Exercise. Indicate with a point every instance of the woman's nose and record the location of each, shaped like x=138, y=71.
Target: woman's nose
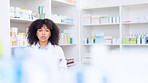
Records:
x=43, y=32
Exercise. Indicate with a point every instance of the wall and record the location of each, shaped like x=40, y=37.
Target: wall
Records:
x=4, y=27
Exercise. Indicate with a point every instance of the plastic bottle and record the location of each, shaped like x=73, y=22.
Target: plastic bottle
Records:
x=41, y=12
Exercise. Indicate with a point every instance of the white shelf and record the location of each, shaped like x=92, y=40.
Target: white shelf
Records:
x=128, y=23
x=100, y=21
x=66, y=24
x=18, y=46
x=101, y=44
x=135, y=44
x=100, y=24
x=59, y=44
x=20, y=20
x=67, y=44
x=60, y=3
x=96, y=8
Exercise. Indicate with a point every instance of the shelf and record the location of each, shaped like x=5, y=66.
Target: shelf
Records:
x=100, y=24
x=67, y=44
x=59, y=44
x=70, y=65
x=135, y=44
x=60, y=3
x=18, y=46
x=135, y=5
x=127, y=23
x=20, y=20
x=101, y=44
x=94, y=8
x=66, y=24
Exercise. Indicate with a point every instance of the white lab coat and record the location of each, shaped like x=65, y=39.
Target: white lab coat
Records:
x=43, y=64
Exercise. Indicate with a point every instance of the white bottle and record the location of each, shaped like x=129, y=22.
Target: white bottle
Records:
x=114, y=41
x=138, y=39
x=143, y=39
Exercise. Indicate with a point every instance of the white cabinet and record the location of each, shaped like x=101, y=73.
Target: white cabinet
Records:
x=63, y=13
x=100, y=26
x=122, y=29
x=66, y=16
x=22, y=13
x=134, y=22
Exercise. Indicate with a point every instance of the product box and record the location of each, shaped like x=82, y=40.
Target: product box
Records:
x=107, y=39
x=12, y=12
x=86, y=19
x=17, y=12
x=95, y=19
x=99, y=39
x=125, y=40
x=132, y=40
x=13, y=31
x=104, y=19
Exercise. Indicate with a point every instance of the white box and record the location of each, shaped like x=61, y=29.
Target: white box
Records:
x=95, y=19
x=86, y=19
x=104, y=19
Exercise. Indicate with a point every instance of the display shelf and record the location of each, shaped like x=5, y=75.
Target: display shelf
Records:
x=134, y=24
x=101, y=44
x=22, y=14
x=66, y=24
x=128, y=23
x=17, y=20
x=135, y=44
x=60, y=3
x=65, y=15
x=18, y=46
x=96, y=8
x=67, y=44
x=101, y=24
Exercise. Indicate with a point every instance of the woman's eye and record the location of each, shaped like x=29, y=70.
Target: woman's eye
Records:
x=47, y=30
x=39, y=30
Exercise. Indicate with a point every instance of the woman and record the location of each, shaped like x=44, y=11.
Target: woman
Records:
x=43, y=38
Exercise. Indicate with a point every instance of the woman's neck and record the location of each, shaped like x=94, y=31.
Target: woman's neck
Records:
x=43, y=44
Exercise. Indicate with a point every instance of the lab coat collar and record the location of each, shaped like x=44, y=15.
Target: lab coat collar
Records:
x=47, y=47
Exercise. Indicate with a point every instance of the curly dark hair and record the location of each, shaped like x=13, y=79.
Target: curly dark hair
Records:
x=38, y=24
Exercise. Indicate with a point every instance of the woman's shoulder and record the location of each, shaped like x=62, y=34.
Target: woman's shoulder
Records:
x=57, y=47
x=30, y=47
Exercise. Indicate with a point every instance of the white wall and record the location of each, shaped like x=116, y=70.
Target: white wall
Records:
x=4, y=27
x=103, y=3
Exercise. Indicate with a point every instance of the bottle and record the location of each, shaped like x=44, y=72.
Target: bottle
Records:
x=41, y=12
x=138, y=39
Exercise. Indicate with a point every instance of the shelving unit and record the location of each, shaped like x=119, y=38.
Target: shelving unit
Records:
x=89, y=25
x=16, y=20
x=122, y=20
x=101, y=44
x=61, y=3
x=58, y=7
x=134, y=19
x=22, y=13
x=67, y=44
x=99, y=23
x=64, y=10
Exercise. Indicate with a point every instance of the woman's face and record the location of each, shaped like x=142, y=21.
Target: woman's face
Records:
x=43, y=34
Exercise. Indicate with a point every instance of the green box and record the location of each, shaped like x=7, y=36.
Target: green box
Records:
x=125, y=40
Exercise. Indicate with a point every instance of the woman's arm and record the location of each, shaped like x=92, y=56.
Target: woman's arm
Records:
x=62, y=60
